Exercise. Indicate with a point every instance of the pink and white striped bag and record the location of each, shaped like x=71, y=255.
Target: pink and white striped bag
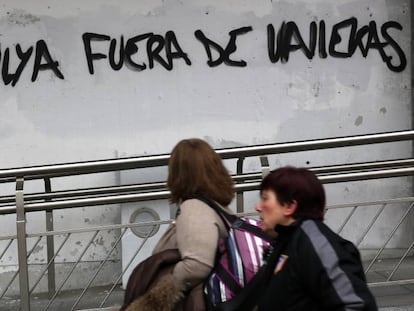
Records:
x=239, y=256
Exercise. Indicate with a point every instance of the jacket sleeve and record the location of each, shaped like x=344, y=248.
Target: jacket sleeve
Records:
x=197, y=239
x=332, y=271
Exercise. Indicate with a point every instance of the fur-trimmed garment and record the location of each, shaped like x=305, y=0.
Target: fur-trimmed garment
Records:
x=193, y=238
x=152, y=286
x=163, y=297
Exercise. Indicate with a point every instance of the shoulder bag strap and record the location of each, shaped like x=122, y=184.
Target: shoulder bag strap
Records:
x=227, y=218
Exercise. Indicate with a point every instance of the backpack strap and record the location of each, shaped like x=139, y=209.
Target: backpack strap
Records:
x=233, y=221
x=227, y=218
x=227, y=278
x=252, y=228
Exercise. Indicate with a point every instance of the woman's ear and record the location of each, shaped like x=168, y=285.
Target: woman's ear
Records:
x=290, y=208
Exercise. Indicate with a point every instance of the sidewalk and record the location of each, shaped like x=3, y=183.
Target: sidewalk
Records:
x=389, y=298
x=393, y=297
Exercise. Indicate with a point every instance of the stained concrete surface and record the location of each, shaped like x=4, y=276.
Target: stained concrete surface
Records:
x=389, y=298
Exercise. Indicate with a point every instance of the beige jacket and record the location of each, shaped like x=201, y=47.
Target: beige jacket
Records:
x=195, y=234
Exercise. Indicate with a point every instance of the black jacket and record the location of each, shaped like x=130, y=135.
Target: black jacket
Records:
x=318, y=270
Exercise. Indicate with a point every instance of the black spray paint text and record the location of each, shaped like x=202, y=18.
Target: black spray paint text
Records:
x=155, y=44
x=42, y=61
x=365, y=38
x=145, y=50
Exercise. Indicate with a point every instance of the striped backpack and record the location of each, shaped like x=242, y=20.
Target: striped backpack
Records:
x=239, y=257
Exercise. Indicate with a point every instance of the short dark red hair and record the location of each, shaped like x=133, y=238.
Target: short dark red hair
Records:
x=299, y=184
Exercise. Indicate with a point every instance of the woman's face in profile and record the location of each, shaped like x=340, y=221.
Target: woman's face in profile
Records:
x=270, y=210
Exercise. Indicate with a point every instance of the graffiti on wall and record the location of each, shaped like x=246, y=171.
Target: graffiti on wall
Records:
x=42, y=61
x=365, y=39
x=342, y=41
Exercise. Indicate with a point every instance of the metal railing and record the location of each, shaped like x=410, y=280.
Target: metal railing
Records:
x=21, y=203
x=396, y=262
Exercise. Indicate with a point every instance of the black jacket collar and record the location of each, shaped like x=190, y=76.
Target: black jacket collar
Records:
x=289, y=228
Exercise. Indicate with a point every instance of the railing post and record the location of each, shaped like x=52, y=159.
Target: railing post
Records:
x=50, y=244
x=22, y=246
x=264, y=161
x=240, y=194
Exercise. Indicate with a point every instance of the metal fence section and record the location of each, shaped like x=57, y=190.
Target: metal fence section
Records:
x=56, y=284
x=383, y=269
x=78, y=298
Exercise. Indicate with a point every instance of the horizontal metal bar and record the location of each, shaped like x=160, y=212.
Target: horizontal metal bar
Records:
x=357, y=176
x=163, y=222
x=163, y=185
x=363, y=166
x=389, y=201
x=371, y=203
x=88, y=191
x=4, y=210
x=246, y=177
x=101, y=228
x=77, y=168
x=160, y=195
x=391, y=283
x=337, y=178
x=316, y=144
x=116, y=199
x=228, y=153
x=105, y=190
x=8, y=237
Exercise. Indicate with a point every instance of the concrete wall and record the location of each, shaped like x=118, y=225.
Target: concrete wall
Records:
x=240, y=98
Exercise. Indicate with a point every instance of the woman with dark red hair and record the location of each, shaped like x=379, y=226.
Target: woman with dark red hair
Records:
x=317, y=270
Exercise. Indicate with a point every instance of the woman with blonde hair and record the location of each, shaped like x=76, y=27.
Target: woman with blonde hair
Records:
x=194, y=170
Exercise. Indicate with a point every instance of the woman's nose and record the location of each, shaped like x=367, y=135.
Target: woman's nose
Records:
x=258, y=207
